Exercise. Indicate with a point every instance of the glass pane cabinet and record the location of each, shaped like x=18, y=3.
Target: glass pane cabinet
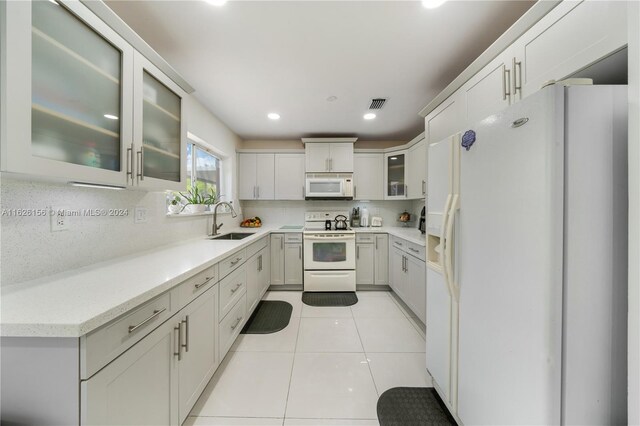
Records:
x=395, y=175
x=75, y=91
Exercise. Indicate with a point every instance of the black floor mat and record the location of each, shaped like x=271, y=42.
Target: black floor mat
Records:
x=321, y=298
x=270, y=316
x=412, y=407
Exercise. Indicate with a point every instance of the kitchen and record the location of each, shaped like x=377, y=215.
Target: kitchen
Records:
x=74, y=283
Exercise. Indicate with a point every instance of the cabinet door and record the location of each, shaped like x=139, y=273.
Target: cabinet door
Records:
x=289, y=177
x=199, y=355
x=447, y=119
x=417, y=171
x=381, y=262
x=317, y=157
x=277, y=259
x=489, y=91
x=159, y=134
x=138, y=388
x=247, y=172
x=69, y=83
x=416, y=287
x=365, y=259
x=265, y=175
x=341, y=157
x=397, y=272
x=265, y=272
x=570, y=37
x=395, y=177
x=368, y=176
x=293, y=264
x=254, y=285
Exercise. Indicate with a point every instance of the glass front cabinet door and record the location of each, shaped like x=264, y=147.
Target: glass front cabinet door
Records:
x=72, y=106
x=395, y=177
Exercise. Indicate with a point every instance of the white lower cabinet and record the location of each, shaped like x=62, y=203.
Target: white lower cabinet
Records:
x=286, y=259
x=257, y=277
x=408, y=275
x=372, y=259
x=277, y=259
x=293, y=269
x=231, y=325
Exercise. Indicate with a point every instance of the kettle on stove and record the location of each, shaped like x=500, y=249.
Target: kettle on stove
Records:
x=341, y=222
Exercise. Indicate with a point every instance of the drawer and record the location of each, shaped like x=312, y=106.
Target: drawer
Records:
x=293, y=238
x=195, y=286
x=257, y=246
x=365, y=238
x=398, y=242
x=231, y=326
x=103, y=345
x=231, y=263
x=416, y=250
x=232, y=288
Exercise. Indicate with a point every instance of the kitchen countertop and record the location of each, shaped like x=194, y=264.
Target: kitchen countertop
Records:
x=410, y=234
x=79, y=301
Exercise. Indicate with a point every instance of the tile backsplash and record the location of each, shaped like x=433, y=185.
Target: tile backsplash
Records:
x=30, y=250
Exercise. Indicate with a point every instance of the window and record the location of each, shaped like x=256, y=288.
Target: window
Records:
x=203, y=169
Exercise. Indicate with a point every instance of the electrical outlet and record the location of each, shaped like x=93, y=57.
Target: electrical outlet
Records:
x=140, y=215
x=59, y=220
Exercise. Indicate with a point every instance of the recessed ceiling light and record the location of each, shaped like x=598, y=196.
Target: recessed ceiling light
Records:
x=432, y=4
x=273, y=116
x=332, y=98
x=369, y=116
x=110, y=117
x=216, y=2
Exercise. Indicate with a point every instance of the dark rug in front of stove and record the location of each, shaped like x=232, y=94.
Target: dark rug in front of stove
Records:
x=270, y=316
x=412, y=407
x=325, y=298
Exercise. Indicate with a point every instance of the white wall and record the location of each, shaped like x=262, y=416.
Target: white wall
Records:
x=30, y=250
x=634, y=215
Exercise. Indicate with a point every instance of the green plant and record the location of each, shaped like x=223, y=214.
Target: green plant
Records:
x=197, y=196
x=176, y=200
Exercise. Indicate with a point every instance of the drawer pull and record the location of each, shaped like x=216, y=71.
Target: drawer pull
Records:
x=233, y=327
x=397, y=243
x=233, y=290
x=206, y=280
x=156, y=312
x=235, y=262
x=414, y=250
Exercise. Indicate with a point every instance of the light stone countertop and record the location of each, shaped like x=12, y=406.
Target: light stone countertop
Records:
x=410, y=234
x=79, y=301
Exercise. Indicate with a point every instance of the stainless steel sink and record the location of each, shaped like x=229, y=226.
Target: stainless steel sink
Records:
x=232, y=236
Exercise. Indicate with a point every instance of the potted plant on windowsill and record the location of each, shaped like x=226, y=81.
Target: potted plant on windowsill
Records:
x=198, y=200
x=175, y=205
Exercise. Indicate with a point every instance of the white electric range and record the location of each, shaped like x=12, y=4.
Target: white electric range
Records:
x=329, y=253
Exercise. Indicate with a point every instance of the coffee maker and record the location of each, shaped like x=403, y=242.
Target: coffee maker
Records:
x=422, y=226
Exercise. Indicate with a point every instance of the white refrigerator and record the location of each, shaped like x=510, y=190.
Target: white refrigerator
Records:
x=533, y=256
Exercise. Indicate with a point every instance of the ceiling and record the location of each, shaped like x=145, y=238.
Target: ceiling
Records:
x=249, y=58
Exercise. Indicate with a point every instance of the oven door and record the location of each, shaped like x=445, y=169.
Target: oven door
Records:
x=324, y=188
x=329, y=252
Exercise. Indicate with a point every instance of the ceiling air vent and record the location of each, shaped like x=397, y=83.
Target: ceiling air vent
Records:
x=377, y=103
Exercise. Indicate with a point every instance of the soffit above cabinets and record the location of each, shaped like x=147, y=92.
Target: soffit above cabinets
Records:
x=250, y=58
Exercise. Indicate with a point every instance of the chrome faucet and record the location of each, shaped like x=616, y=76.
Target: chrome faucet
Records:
x=216, y=227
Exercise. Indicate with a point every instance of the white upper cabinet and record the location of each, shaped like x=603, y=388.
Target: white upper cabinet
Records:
x=417, y=171
x=256, y=176
x=324, y=157
x=69, y=94
x=289, y=176
x=83, y=105
x=159, y=150
x=368, y=176
x=395, y=175
x=570, y=37
x=448, y=118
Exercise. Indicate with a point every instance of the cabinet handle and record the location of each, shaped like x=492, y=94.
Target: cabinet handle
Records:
x=254, y=192
x=233, y=290
x=130, y=163
x=235, y=262
x=517, y=76
x=178, y=340
x=355, y=191
x=375, y=240
x=326, y=164
x=139, y=172
x=206, y=280
x=506, y=82
x=282, y=243
x=186, y=333
x=357, y=252
x=233, y=327
x=299, y=252
x=414, y=250
x=155, y=313
x=258, y=187
x=397, y=243
x=259, y=263
x=331, y=164
x=424, y=187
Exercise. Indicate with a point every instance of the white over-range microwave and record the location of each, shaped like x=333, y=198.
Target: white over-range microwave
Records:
x=329, y=186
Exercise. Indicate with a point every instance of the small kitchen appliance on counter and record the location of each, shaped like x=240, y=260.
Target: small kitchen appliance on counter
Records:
x=376, y=221
x=329, y=254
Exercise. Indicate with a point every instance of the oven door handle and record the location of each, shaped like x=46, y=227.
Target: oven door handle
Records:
x=331, y=238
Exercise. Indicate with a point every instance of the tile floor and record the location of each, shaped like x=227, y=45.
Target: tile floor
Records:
x=327, y=367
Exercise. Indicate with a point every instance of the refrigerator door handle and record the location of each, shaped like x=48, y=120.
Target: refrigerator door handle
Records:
x=448, y=248
x=443, y=242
